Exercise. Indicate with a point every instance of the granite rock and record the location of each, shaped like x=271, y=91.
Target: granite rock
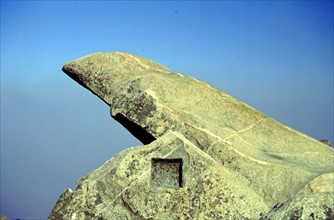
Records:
x=206, y=154
x=168, y=179
x=314, y=201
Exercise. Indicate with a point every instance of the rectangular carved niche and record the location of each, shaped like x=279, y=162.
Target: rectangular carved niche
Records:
x=166, y=173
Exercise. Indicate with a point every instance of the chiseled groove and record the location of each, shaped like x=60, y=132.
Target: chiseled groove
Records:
x=204, y=130
x=243, y=155
x=195, y=147
x=236, y=133
x=268, y=164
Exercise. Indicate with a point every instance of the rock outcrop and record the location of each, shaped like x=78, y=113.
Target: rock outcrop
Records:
x=207, y=155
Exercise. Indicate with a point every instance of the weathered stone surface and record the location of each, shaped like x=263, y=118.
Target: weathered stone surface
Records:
x=314, y=201
x=207, y=154
x=127, y=186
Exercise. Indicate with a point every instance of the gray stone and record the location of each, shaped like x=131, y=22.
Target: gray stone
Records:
x=314, y=201
x=207, y=155
x=167, y=179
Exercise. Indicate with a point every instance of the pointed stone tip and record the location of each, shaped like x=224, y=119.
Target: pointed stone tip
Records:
x=116, y=60
x=104, y=73
x=69, y=69
x=65, y=68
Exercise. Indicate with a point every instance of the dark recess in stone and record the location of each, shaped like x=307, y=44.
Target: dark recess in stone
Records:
x=167, y=172
x=136, y=130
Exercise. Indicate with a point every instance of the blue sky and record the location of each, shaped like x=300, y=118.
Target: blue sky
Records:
x=276, y=56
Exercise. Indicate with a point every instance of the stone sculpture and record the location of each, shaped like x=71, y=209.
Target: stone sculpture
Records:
x=206, y=155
